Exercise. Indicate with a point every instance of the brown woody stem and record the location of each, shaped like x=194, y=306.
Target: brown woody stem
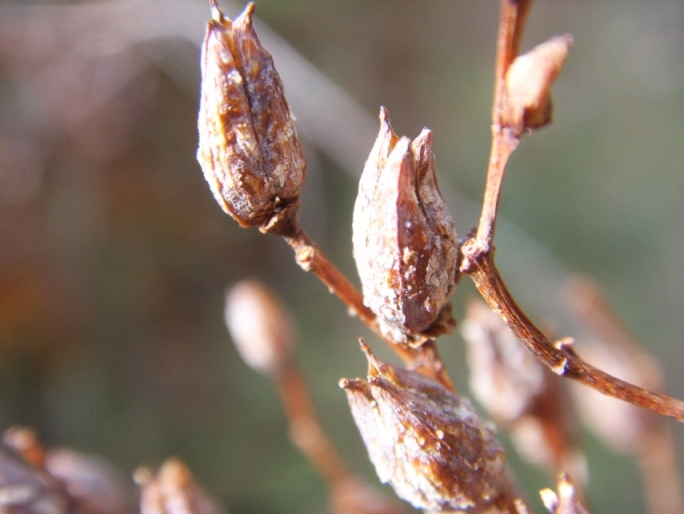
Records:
x=482, y=270
x=478, y=252
x=511, y=24
x=305, y=429
x=503, y=144
x=504, y=139
x=310, y=257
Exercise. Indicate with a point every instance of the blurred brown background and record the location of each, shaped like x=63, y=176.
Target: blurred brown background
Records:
x=114, y=257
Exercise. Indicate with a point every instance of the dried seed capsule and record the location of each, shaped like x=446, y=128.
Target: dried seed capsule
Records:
x=529, y=80
x=428, y=443
x=248, y=145
x=519, y=393
x=25, y=489
x=25, y=442
x=172, y=491
x=566, y=501
x=404, y=238
x=92, y=484
x=504, y=376
x=260, y=327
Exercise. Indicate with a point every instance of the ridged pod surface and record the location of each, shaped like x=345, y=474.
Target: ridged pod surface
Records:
x=248, y=145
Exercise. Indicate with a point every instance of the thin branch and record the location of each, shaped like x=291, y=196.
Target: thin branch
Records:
x=492, y=288
x=478, y=251
x=503, y=144
x=504, y=140
x=310, y=257
x=654, y=447
x=305, y=429
x=511, y=24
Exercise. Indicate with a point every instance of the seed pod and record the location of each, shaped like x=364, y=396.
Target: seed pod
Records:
x=519, y=393
x=528, y=83
x=428, y=443
x=25, y=442
x=172, y=491
x=260, y=327
x=404, y=238
x=92, y=483
x=566, y=501
x=504, y=376
x=25, y=489
x=248, y=145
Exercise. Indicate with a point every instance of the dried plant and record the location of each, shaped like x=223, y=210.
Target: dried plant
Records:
x=263, y=334
x=36, y=480
x=424, y=439
x=421, y=436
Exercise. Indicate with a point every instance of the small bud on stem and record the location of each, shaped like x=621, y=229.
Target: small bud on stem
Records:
x=528, y=84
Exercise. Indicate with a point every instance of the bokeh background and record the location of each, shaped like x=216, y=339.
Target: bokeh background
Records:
x=114, y=257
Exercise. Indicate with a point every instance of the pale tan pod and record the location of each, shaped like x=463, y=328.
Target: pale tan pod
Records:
x=529, y=80
x=259, y=325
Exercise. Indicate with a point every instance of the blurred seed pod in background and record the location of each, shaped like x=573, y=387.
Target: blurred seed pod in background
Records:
x=259, y=325
x=172, y=491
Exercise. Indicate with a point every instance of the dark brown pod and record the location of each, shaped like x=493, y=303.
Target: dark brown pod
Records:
x=248, y=145
x=425, y=441
x=404, y=238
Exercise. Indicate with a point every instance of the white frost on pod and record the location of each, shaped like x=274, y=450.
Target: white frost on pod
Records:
x=425, y=441
x=404, y=238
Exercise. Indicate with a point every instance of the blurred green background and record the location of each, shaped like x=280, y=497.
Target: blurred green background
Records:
x=114, y=257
